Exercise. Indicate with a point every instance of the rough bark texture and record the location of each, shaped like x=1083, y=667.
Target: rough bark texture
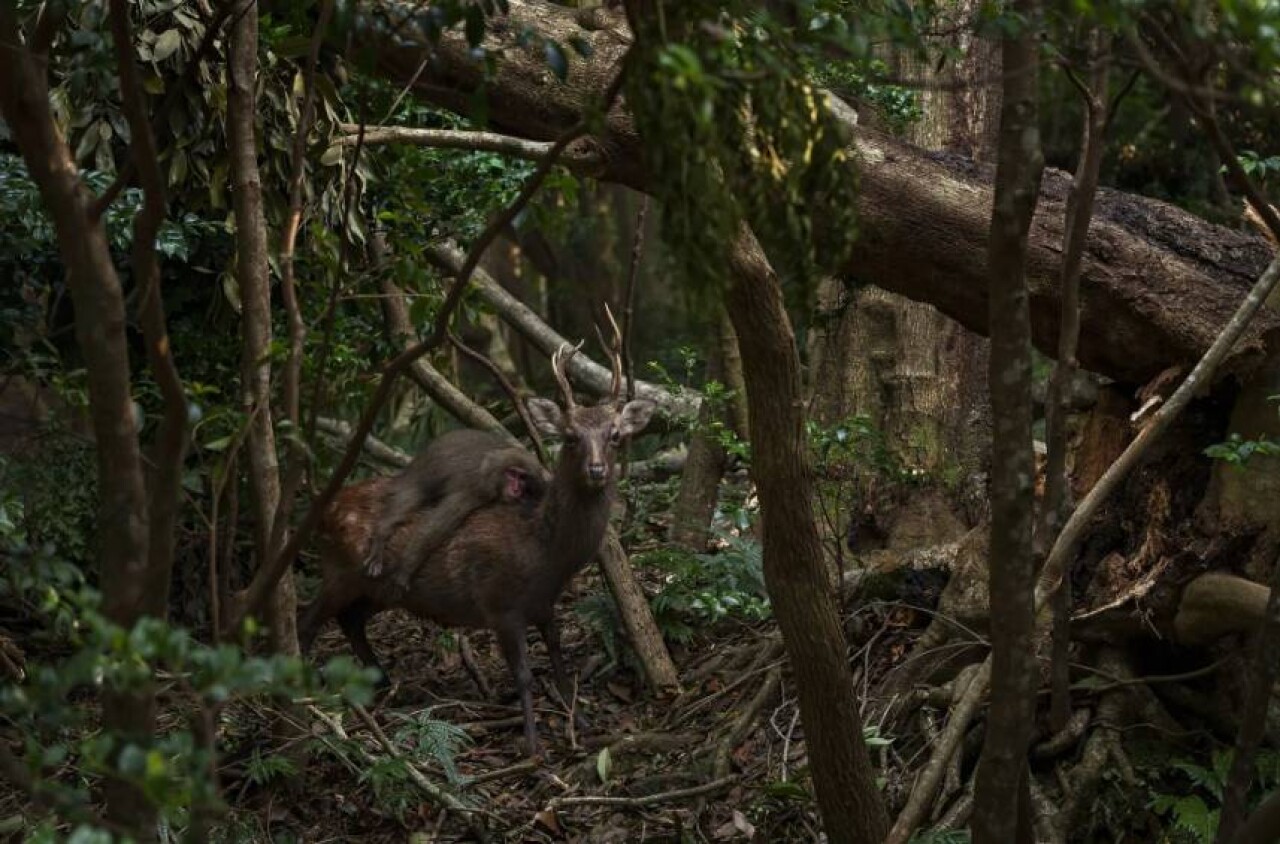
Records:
x=123, y=520
x=795, y=575
x=1002, y=773
x=1157, y=283
x=696, y=501
x=253, y=275
x=918, y=375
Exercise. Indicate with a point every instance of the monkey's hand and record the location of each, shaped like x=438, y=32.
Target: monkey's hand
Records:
x=375, y=560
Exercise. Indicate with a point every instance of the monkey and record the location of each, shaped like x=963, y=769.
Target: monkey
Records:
x=457, y=473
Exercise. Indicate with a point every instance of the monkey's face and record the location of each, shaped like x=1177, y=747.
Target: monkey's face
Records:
x=523, y=487
x=591, y=435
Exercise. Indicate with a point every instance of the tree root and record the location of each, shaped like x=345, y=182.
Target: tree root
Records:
x=1113, y=710
x=746, y=720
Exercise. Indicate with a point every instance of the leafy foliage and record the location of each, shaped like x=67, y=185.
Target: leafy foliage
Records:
x=1193, y=799
x=1236, y=451
x=60, y=732
x=435, y=740
x=898, y=107
x=855, y=466
x=740, y=134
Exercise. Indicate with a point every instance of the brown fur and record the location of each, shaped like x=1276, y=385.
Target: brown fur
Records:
x=458, y=472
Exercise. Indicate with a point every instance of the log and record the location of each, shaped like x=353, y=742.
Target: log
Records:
x=1157, y=282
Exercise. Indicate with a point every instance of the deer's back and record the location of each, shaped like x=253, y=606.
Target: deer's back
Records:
x=493, y=568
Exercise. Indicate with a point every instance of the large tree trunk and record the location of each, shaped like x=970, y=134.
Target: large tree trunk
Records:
x=1157, y=282
x=795, y=575
x=253, y=275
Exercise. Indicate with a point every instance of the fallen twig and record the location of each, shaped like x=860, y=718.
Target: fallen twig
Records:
x=645, y=800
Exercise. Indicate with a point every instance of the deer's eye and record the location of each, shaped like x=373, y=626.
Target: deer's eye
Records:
x=614, y=436
x=570, y=437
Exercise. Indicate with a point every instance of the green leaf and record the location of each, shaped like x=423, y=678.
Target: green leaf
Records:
x=168, y=43
x=604, y=764
x=331, y=156
x=177, y=168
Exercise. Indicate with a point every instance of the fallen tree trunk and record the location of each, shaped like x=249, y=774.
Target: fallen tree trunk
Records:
x=1156, y=283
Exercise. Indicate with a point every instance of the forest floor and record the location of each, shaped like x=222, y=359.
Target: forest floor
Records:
x=724, y=760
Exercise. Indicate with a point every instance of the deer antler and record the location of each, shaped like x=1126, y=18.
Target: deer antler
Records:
x=614, y=351
x=559, y=367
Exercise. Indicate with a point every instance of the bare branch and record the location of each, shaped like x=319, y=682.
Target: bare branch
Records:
x=583, y=156
x=441, y=390
x=291, y=378
x=1080, y=202
x=646, y=800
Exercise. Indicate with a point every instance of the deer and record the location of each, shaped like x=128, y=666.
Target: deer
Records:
x=507, y=562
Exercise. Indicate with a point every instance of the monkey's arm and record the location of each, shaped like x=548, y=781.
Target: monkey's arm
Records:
x=430, y=530
x=404, y=495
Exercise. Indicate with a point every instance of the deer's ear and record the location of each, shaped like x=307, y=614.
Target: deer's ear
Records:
x=546, y=415
x=635, y=415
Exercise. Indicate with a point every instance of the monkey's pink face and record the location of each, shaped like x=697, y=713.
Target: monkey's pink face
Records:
x=519, y=485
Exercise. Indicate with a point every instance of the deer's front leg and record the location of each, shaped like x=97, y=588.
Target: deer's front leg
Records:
x=550, y=632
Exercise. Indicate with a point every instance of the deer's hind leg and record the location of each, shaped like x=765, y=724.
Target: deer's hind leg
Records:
x=331, y=601
x=354, y=619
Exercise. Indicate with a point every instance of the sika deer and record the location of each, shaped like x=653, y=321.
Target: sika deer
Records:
x=506, y=564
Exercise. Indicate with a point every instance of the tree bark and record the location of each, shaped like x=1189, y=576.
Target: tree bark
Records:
x=795, y=575
x=1156, y=282
x=700, y=484
x=253, y=276
x=637, y=618
x=1002, y=776
x=123, y=514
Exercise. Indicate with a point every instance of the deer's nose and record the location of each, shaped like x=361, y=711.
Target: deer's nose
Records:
x=596, y=471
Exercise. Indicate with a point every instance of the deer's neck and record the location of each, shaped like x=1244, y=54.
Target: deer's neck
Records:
x=574, y=522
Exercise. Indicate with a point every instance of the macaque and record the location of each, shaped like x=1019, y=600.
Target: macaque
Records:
x=457, y=473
